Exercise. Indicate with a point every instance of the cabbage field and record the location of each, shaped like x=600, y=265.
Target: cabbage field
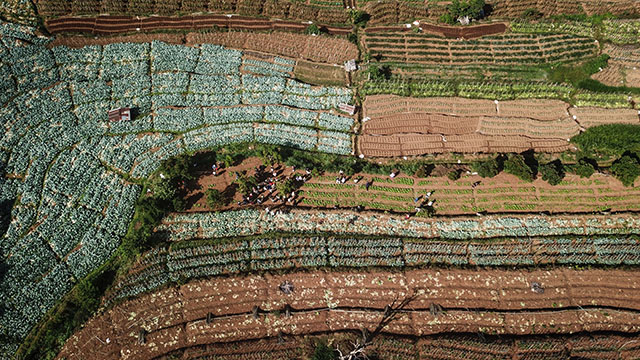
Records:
x=68, y=167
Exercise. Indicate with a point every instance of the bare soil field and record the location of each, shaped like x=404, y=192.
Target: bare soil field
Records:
x=298, y=46
x=324, y=12
x=623, y=68
x=386, y=347
x=315, y=48
x=106, y=25
x=399, y=126
x=491, y=301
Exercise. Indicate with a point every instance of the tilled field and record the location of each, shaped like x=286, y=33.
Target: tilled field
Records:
x=497, y=49
x=325, y=12
x=400, y=126
x=490, y=301
x=297, y=46
x=106, y=25
x=388, y=347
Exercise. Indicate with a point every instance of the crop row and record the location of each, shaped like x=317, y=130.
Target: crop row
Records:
x=188, y=261
x=480, y=90
x=322, y=11
x=250, y=222
x=501, y=49
x=616, y=31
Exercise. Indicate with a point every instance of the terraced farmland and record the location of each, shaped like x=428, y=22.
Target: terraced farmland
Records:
x=339, y=301
x=217, y=180
x=499, y=49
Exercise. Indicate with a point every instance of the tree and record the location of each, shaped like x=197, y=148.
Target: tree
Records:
x=515, y=165
x=270, y=155
x=473, y=9
x=552, y=172
x=532, y=14
x=487, y=168
x=626, y=169
x=391, y=312
x=377, y=72
x=215, y=199
x=359, y=17
x=246, y=183
x=584, y=168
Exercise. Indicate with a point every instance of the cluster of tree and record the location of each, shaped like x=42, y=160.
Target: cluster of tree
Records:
x=458, y=10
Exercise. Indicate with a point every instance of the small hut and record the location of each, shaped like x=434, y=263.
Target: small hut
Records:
x=121, y=114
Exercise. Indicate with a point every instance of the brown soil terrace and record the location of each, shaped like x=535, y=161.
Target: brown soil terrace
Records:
x=105, y=25
x=587, y=346
x=490, y=301
x=402, y=126
x=298, y=46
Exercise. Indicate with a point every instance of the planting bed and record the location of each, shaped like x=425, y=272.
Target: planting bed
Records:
x=191, y=260
x=321, y=11
x=434, y=347
x=507, y=49
x=402, y=126
x=225, y=224
x=499, y=302
x=107, y=25
x=503, y=193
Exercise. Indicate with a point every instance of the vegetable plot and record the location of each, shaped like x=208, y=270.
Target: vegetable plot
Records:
x=65, y=162
x=190, y=261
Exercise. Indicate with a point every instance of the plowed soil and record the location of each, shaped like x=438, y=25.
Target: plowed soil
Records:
x=105, y=25
x=491, y=301
x=397, y=126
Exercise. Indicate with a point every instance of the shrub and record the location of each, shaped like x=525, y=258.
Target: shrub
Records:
x=552, y=172
x=312, y=29
x=515, y=165
x=626, y=169
x=487, y=168
x=454, y=175
x=584, y=168
x=214, y=198
x=609, y=140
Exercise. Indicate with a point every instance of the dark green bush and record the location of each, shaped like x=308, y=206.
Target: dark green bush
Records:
x=515, y=165
x=626, y=169
x=609, y=140
x=552, y=172
x=215, y=199
x=487, y=168
x=584, y=168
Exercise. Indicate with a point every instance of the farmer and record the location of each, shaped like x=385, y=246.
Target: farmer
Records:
x=367, y=184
